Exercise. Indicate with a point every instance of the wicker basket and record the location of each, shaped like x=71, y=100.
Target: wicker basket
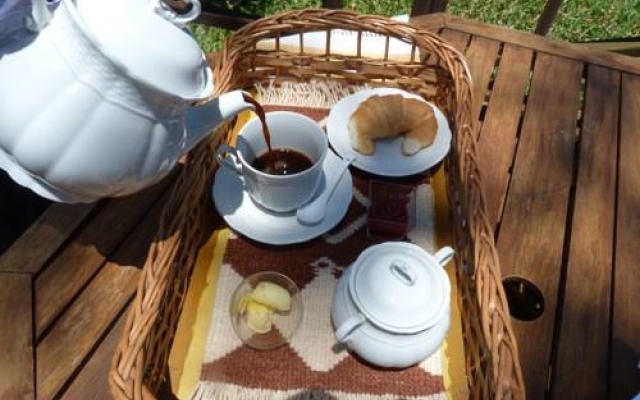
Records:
x=436, y=71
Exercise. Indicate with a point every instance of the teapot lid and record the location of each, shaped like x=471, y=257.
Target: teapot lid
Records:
x=399, y=287
x=146, y=44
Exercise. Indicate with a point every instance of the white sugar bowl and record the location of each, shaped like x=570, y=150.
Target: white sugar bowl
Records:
x=392, y=305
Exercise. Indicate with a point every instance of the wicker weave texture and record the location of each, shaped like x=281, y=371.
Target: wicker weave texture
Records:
x=436, y=71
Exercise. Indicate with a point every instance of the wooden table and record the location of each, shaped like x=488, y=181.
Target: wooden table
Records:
x=558, y=134
x=559, y=138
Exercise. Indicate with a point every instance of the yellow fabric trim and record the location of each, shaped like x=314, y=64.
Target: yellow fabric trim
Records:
x=455, y=380
x=187, y=353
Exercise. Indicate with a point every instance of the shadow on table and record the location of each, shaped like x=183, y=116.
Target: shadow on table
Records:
x=19, y=207
x=312, y=394
x=119, y=229
x=624, y=376
x=124, y=229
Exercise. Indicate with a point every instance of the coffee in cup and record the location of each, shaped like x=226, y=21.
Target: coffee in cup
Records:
x=282, y=162
x=289, y=174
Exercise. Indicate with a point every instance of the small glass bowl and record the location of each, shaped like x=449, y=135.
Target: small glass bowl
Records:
x=285, y=324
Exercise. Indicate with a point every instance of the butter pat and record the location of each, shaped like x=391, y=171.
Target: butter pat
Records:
x=258, y=317
x=259, y=305
x=272, y=295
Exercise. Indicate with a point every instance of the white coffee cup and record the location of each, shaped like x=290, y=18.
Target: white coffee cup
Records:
x=288, y=130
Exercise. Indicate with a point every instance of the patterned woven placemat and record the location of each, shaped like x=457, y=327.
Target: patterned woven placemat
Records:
x=308, y=367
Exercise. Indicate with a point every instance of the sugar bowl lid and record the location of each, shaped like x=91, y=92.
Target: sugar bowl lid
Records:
x=399, y=287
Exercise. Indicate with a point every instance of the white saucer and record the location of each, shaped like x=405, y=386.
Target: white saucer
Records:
x=388, y=159
x=254, y=222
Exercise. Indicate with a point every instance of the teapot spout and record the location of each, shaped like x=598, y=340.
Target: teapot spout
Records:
x=203, y=119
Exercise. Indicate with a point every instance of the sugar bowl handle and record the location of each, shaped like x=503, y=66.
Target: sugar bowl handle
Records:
x=345, y=330
x=444, y=255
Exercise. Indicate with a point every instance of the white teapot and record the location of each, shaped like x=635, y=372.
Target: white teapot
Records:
x=392, y=305
x=97, y=97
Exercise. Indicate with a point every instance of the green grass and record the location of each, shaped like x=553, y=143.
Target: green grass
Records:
x=577, y=20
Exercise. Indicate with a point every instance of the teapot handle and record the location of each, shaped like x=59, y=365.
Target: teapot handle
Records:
x=179, y=19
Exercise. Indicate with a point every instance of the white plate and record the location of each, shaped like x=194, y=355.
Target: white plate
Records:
x=244, y=216
x=388, y=159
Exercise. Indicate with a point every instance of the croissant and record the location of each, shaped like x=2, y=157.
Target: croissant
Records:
x=388, y=116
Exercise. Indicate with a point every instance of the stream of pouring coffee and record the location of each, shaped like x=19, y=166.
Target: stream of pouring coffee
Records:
x=263, y=119
x=279, y=161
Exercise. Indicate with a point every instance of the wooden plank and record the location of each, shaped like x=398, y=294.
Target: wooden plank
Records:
x=92, y=382
x=583, y=343
x=16, y=337
x=536, y=42
x=72, y=339
x=60, y=282
x=625, y=336
x=456, y=39
x=499, y=131
x=481, y=57
x=530, y=242
x=629, y=47
x=44, y=237
x=429, y=22
x=76, y=332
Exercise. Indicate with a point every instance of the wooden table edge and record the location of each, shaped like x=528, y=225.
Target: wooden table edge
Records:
x=569, y=50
